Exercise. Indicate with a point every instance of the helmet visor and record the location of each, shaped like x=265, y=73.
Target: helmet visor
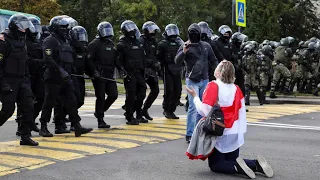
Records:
x=83, y=37
x=242, y=37
x=153, y=28
x=225, y=30
x=172, y=31
x=38, y=28
x=104, y=32
x=130, y=27
x=26, y=24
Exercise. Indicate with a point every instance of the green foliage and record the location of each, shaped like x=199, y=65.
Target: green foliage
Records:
x=270, y=19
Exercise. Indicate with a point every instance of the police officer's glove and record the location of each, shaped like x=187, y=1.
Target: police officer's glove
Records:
x=64, y=75
x=96, y=75
x=124, y=74
x=6, y=88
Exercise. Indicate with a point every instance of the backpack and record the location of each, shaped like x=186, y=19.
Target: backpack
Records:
x=214, y=122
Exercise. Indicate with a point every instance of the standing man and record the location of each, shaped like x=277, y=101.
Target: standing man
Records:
x=14, y=77
x=166, y=52
x=131, y=57
x=58, y=57
x=282, y=61
x=148, y=39
x=102, y=52
x=197, y=55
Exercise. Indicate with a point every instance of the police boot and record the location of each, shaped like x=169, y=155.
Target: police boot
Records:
x=61, y=129
x=263, y=96
x=140, y=118
x=35, y=128
x=259, y=96
x=247, y=98
x=273, y=95
x=27, y=141
x=102, y=124
x=79, y=130
x=286, y=91
x=145, y=113
x=173, y=116
x=167, y=114
x=242, y=168
x=131, y=120
x=44, y=132
x=316, y=91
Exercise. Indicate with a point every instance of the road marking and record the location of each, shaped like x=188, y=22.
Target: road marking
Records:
x=100, y=141
x=168, y=136
x=76, y=147
x=88, y=140
x=285, y=126
x=22, y=162
x=38, y=151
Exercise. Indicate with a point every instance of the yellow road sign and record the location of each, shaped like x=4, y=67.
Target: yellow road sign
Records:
x=241, y=13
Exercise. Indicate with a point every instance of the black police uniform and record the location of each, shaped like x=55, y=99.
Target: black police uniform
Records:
x=131, y=56
x=36, y=69
x=237, y=62
x=166, y=52
x=102, y=52
x=58, y=56
x=15, y=83
x=150, y=46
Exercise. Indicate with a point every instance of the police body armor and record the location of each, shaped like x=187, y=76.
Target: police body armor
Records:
x=80, y=60
x=150, y=50
x=280, y=56
x=36, y=65
x=105, y=58
x=16, y=63
x=171, y=66
x=250, y=62
x=66, y=57
x=135, y=56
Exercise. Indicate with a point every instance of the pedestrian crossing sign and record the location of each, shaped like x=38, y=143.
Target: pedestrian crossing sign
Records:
x=241, y=12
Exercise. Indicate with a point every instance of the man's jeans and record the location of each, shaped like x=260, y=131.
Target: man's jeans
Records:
x=193, y=117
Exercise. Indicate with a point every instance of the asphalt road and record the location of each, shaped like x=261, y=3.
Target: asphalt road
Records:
x=288, y=136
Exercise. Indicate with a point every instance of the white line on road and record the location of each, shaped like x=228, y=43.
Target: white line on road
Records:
x=285, y=126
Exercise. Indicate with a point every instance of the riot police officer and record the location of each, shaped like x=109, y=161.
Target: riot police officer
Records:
x=166, y=52
x=222, y=42
x=14, y=77
x=236, y=40
x=148, y=39
x=131, y=57
x=282, y=61
x=102, y=52
x=35, y=64
x=58, y=57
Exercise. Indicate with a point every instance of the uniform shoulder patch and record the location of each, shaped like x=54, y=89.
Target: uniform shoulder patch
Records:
x=48, y=52
x=1, y=57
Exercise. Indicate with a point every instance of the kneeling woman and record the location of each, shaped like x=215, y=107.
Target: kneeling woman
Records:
x=224, y=157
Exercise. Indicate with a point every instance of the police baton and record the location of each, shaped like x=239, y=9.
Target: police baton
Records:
x=102, y=78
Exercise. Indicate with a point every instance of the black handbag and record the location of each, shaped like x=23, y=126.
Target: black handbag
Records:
x=214, y=122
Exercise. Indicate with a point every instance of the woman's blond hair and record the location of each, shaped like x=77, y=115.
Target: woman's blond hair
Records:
x=225, y=72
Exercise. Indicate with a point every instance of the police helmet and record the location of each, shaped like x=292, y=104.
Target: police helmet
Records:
x=290, y=40
x=105, y=29
x=249, y=48
x=71, y=23
x=284, y=42
x=301, y=44
x=238, y=37
x=171, y=30
x=267, y=50
x=312, y=46
x=129, y=26
x=224, y=29
x=150, y=27
x=20, y=22
x=205, y=29
x=38, y=29
x=313, y=39
x=79, y=33
x=59, y=24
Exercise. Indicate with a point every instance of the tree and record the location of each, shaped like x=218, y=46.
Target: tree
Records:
x=45, y=9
